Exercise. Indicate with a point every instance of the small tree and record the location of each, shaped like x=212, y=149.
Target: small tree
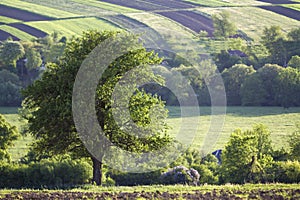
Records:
x=222, y=25
x=8, y=134
x=294, y=142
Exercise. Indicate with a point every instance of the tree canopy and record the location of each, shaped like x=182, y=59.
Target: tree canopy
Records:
x=222, y=25
x=49, y=101
x=246, y=154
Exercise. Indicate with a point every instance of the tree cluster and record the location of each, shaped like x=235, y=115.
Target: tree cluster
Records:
x=271, y=85
x=22, y=62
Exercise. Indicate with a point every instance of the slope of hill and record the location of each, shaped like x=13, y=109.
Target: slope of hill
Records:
x=28, y=19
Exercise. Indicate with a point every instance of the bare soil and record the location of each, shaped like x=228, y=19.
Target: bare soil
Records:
x=174, y=10
x=277, y=1
x=28, y=29
x=288, y=12
x=192, y=20
x=4, y=35
x=277, y=194
x=21, y=14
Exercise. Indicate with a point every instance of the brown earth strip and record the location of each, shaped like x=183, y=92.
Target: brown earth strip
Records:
x=191, y=20
x=21, y=14
x=136, y=4
x=277, y=1
x=151, y=5
x=171, y=4
x=4, y=35
x=288, y=12
x=28, y=29
x=150, y=36
x=213, y=194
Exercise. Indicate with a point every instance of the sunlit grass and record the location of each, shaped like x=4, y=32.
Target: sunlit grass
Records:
x=281, y=123
x=71, y=27
x=39, y=9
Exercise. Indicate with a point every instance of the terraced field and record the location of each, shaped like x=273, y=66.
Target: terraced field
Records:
x=29, y=19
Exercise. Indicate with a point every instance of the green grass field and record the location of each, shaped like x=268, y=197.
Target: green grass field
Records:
x=281, y=123
x=252, y=20
x=248, y=18
x=71, y=27
x=38, y=9
x=20, y=147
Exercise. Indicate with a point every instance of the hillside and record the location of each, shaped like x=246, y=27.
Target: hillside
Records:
x=27, y=19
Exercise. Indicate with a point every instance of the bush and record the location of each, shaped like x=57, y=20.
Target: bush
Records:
x=46, y=174
x=207, y=175
x=180, y=175
x=132, y=179
x=288, y=172
x=10, y=87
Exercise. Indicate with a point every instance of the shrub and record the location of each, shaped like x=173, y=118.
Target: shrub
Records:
x=289, y=172
x=132, y=179
x=45, y=174
x=207, y=175
x=10, y=87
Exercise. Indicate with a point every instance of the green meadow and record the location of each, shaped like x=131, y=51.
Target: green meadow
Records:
x=281, y=123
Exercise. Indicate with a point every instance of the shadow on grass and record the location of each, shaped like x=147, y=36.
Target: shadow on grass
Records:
x=175, y=111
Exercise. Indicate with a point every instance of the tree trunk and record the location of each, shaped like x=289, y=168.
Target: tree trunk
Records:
x=97, y=171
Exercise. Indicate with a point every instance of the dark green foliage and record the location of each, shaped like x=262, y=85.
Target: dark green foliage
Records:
x=288, y=90
x=233, y=79
x=45, y=174
x=287, y=172
x=132, y=179
x=10, y=88
x=208, y=169
x=252, y=91
x=49, y=100
x=224, y=60
x=10, y=52
x=270, y=86
x=280, y=47
x=294, y=142
x=8, y=134
x=294, y=62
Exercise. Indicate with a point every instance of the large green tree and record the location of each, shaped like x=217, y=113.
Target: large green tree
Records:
x=260, y=88
x=245, y=155
x=10, y=52
x=49, y=101
x=8, y=134
x=233, y=79
x=288, y=90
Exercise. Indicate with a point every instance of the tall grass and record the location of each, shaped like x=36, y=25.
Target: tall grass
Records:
x=281, y=123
